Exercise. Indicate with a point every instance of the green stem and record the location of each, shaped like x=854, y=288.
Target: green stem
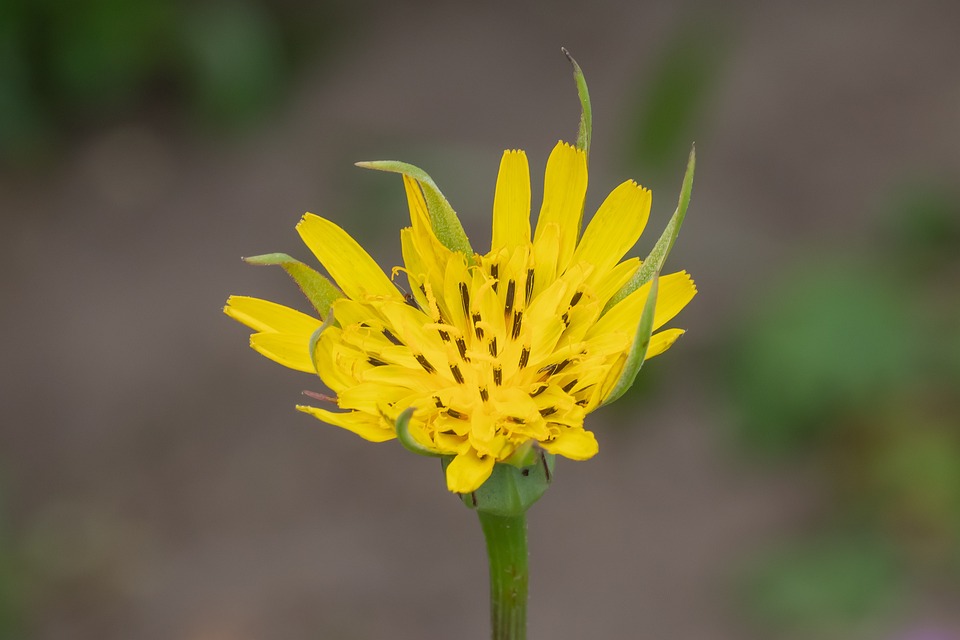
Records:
x=507, y=549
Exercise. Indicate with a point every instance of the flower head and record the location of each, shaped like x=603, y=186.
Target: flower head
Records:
x=488, y=355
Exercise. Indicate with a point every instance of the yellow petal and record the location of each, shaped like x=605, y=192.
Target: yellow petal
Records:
x=263, y=315
x=468, y=471
x=564, y=187
x=615, y=228
x=349, y=312
x=368, y=427
x=615, y=279
x=432, y=254
x=419, y=215
x=371, y=397
x=289, y=349
x=545, y=255
x=545, y=314
x=662, y=341
x=355, y=272
x=511, y=203
x=331, y=363
x=675, y=291
x=573, y=443
x=412, y=379
x=455, y=302
x=418, y=271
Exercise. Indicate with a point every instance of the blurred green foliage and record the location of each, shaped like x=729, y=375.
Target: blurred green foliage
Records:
x=98, y=54
x=234, y=60
x=11, y=592
x=910, y=483
x=854, y=359
x=829, y=340
x=823, y=584
x=682, y=82
x=922, y=221
x=74, y=64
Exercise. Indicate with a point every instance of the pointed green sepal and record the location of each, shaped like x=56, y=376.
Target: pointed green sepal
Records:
x=406, y=438
x=641, y=343
x=510, y=491
x=315, y=339
x=524, y=456
x=319, y=290
x=585, y=133
x=658, y=255
x=446, y=225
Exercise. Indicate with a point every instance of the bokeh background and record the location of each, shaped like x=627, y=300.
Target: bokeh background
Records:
x=790, y=470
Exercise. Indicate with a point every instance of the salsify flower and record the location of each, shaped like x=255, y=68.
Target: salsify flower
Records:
x=488, y=357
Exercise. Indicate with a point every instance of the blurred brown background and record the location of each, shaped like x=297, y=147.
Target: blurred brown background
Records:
x=790, y=470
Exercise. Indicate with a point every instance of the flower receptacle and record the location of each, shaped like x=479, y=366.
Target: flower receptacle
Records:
x=511, y=490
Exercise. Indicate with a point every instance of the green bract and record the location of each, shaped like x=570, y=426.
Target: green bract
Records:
x=446, y=225
x=318, y=289
x=510, y=491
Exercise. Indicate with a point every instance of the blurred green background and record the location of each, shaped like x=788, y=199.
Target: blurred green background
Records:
x=790, y=470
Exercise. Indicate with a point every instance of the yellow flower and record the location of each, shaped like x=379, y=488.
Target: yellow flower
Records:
x=494, y=353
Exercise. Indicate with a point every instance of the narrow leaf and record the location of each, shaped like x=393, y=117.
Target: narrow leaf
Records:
x=640, y=345
x=446, y=225
x=585, y=132
x=319, y=290
x=407, y=440
x=658, y=255
x=315, y=339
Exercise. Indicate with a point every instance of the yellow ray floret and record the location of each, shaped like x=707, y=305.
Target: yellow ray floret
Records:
x=492, y=352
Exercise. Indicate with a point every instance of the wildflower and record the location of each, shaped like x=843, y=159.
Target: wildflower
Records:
x=489, y=355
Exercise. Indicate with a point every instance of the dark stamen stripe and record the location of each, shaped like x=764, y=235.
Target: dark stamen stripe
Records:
x=524, y=357
x=377, y=362
x=455, y=370
x=476, y=325
x=517, y=321
x=576, y=298
x=549, y=411
x=528, y=293
x=542, y=388
x=492, y=347
x=566, y=318
x=462, y=347
x=498, y=375
x=551, y=369
x=546, y=468
x=511, y=292
x=582, y=402
x=495, y=274
x=516, y=420
x=570, y=385
x=444, y=335
x=465, y=299
x=438, y=402
x=453, y=413
x=422, y=359
x=392, y=338
x=484, y=394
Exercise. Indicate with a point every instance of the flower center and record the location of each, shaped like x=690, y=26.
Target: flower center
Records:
x=490, y=355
